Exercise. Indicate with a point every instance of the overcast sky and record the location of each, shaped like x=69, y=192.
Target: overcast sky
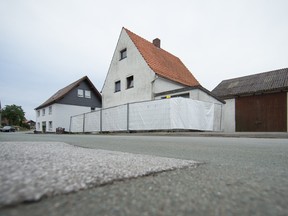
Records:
x=48, y=44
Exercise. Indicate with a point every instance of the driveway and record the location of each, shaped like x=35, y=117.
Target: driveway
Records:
x=237, y=176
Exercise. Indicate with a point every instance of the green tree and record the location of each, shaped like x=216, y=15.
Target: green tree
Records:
x=14, y=114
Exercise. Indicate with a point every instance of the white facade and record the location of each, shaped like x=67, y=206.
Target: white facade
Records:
x=128, y=64
x=133, y=65
x=163, y=85
x=228, y=117
x=57, y=115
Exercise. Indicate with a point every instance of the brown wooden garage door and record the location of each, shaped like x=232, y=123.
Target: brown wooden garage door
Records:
x=267, y=112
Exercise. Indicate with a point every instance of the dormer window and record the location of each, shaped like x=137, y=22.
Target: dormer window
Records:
x=123, y=54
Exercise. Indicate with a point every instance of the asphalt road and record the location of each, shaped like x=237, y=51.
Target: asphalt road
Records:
x=238, y=176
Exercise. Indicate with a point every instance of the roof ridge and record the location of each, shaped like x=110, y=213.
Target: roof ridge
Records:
x=64, y=91
x=256, y=74
x=162, y=62
x=151, y=43
x=276, y=80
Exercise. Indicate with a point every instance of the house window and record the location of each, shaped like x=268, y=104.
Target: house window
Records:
x=123, y=54
x=43, y=112
x=87, y=94
x=50, y=110
x=50, y=126
x=130, y=82
x=80, y=93
x=117, y=86
x=38, y=113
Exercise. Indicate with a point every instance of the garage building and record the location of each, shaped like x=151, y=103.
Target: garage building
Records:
x=255, y=103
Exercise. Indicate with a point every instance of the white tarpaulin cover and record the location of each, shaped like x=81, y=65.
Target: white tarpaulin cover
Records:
x=114, y=119
x=76, y=124
x=167, y=114
x=191, y=114
x=175, y=113
x=92, y=121
x=151, y=115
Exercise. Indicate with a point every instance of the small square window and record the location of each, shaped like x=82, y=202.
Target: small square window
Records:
x=123, y=54
x=43, y=112
x=117, y=86
x=87, y=94
x=50, y=110
x=80, y=93
x=130, y=82
x=38, y=113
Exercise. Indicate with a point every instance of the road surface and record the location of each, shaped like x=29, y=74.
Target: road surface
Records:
x=237, y=176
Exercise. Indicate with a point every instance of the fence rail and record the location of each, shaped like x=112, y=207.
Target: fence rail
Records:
x=174, y=113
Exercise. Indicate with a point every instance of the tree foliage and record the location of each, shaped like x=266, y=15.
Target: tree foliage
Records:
x=14, y=114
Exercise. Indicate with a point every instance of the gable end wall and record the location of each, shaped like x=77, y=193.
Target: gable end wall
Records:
x=133, y=65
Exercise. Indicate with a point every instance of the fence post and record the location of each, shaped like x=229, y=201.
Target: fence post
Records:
x=101, y=120
x=127, y=117
x=221, y=118
x=84, y=123
x=70, y=125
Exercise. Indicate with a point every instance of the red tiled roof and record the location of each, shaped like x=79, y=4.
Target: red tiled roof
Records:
x=163, y=63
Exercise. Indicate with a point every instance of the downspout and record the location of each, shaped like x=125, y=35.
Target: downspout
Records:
x=153, y=87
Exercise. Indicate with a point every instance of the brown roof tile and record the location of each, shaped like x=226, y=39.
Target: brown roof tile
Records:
x=163, y=63
x=62, y=92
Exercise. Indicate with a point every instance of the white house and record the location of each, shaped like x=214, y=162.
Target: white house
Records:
x=141, y=71
x=79, y=97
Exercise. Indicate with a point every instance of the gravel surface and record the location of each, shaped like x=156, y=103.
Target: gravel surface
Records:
x=32, y=170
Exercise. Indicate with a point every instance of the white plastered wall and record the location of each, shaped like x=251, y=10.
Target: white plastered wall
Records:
x=228, y=116
x=134, y=65
x=162, y=85
x=60, y=116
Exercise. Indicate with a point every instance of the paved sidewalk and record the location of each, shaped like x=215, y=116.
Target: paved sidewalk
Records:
x=275, y=135
x=32, y=170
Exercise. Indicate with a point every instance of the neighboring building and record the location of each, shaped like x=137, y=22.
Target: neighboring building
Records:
x=77, y=98
x=141, y=71
x=31, y=124
x=256, y=102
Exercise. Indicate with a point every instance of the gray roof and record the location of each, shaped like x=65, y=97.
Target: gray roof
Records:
x=64, y=91
x=271, y=81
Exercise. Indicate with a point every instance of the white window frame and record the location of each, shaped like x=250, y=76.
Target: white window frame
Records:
x=80, y=93
x=50, y=110
x=87, y=94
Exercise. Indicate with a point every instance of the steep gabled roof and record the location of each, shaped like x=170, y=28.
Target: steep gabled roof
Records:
x=163, y=63
x=64, y=91
x=271, y=81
